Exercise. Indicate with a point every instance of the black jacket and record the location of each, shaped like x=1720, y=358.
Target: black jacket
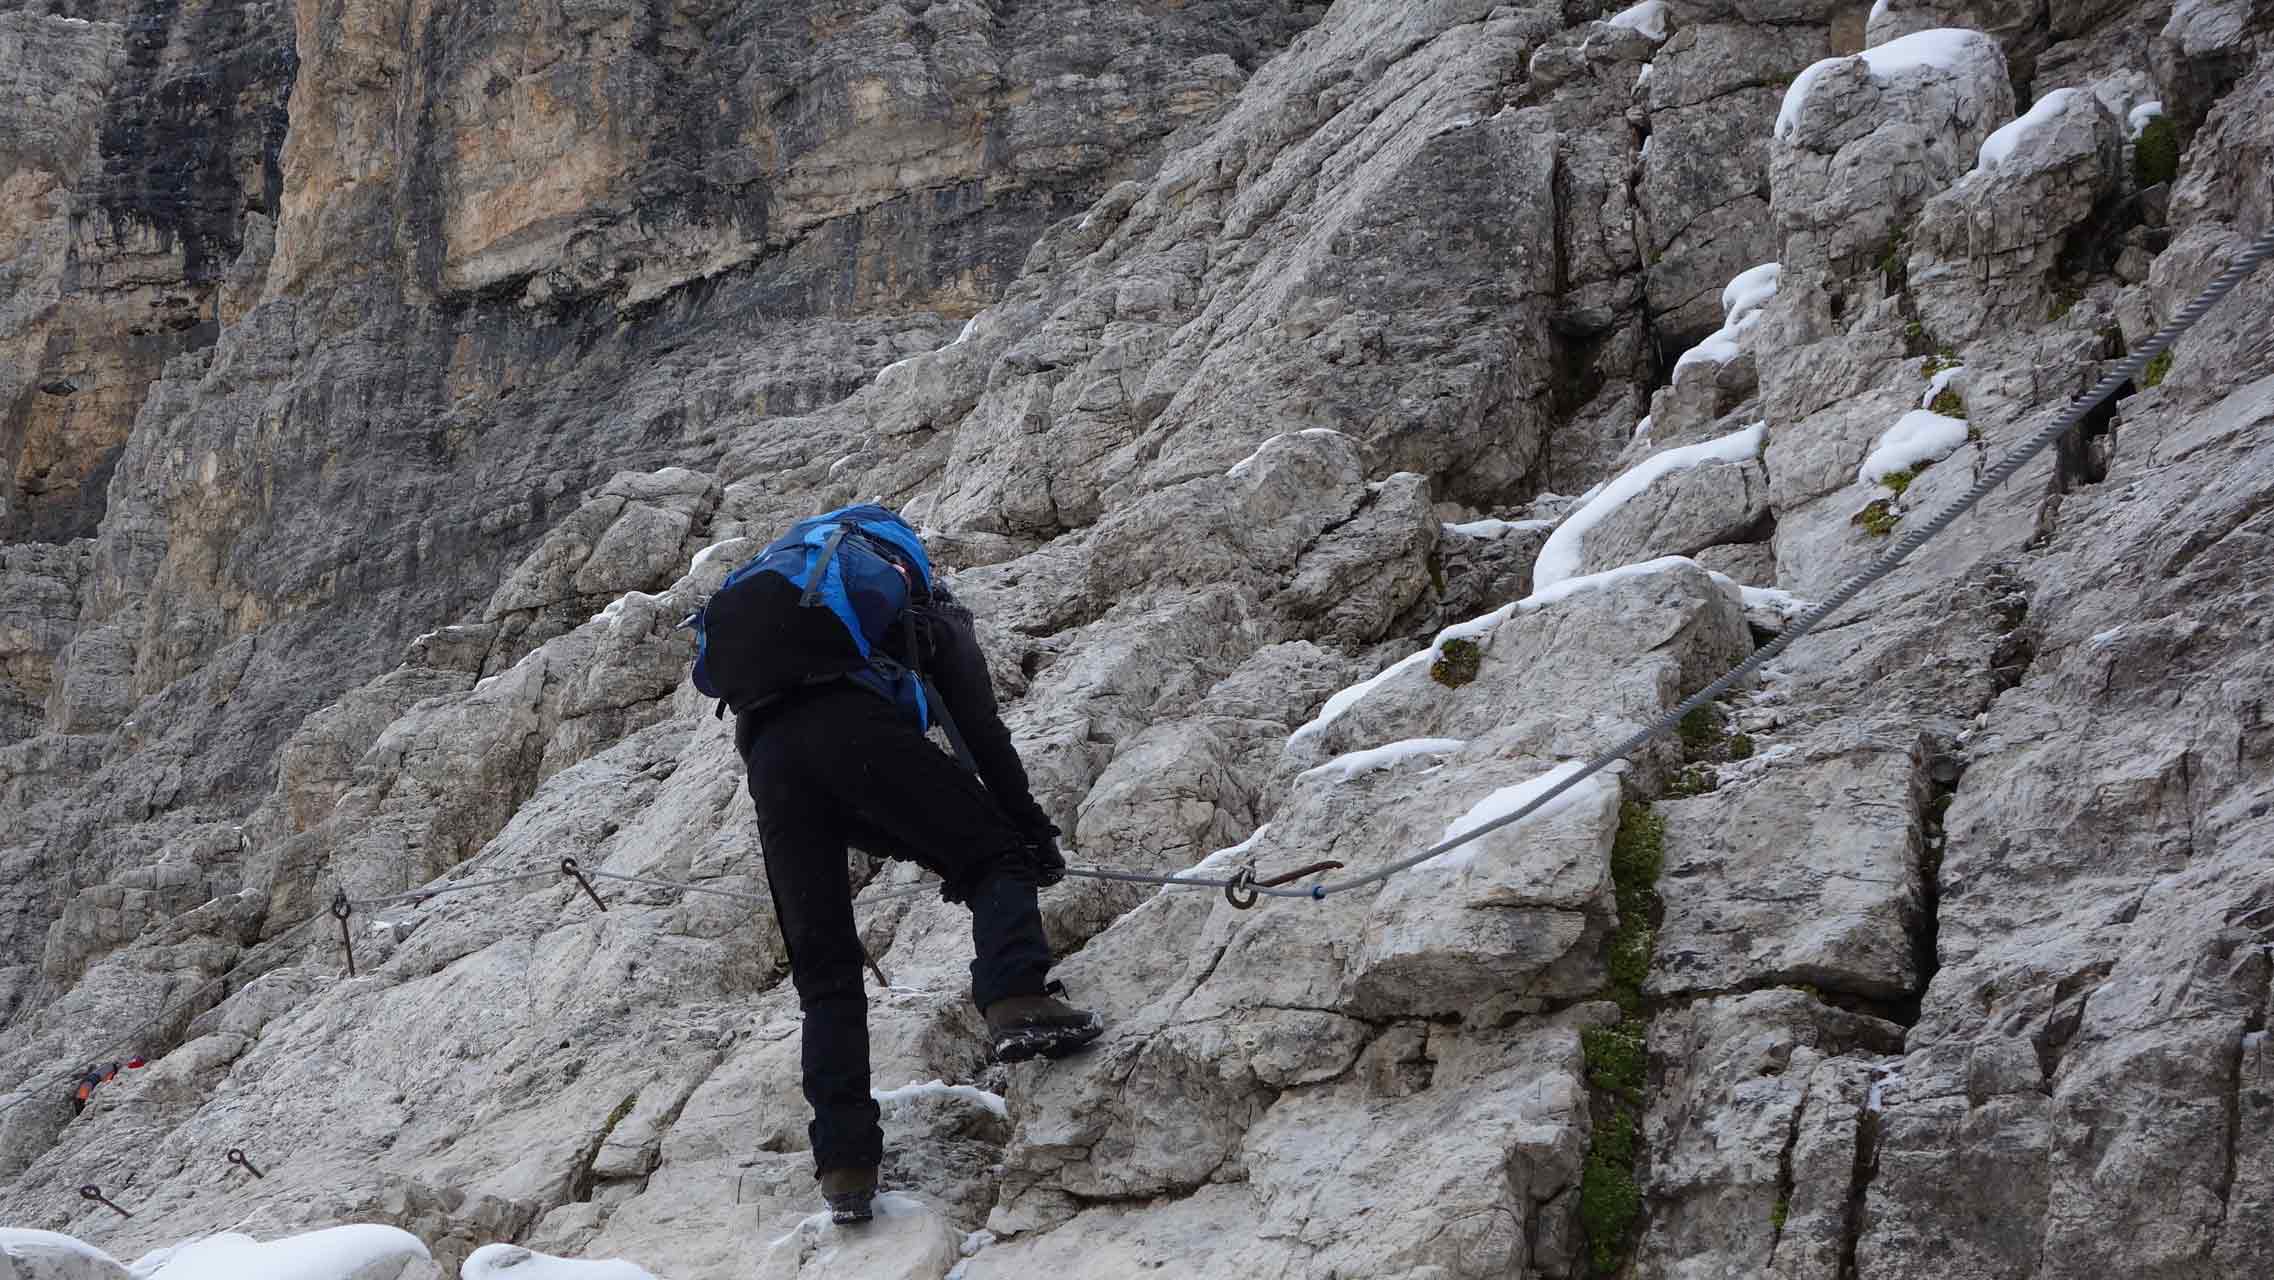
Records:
x=956, y=666
x=949, y=655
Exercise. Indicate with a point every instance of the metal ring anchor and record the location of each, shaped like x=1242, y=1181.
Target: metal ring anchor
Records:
x=341, y=910
x=568, y=868
x=237, y=1157
x=1242, y=881
x=95, y=1193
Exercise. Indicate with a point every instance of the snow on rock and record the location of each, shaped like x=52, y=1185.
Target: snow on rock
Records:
x=2138, y=117
x=907, y=1241
x=2000, y=144
x=1496, y=528
x=1505, y=801
x=1480, y=629
x=1747, y=290
x=1241, y=467
x=1943, y=48
x=1649, y=18
x=1918, y=437
x=942, y=1089
x=1936, y=384
x=1351, y=764
x=26, y=1254
x=1560, y=558
x=512, y=1262
x=362, y=1251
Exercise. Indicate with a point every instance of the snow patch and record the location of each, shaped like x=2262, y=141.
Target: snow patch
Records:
x=22, y=1242
x=942, y=1089
x=1885, y=1076
x=1229, y=853
x=1498, y=528
x=1938, y=383
x=512, y=1262
x=1478, y=628
x=315, y=1255
x=2138, y=117
x=1642, y=77
x=1917, y=437
x=1943, y=48
x=703, y=556
x=1344, y=699
x=1747, y=290
x=1351, y=764
x=1240, y=468
x=1741, y=303
x=1649, y=18
x=1642, y=428
x=1559, y=558
x=1508, y=800
x=2252, y=1039
x=1998, y=147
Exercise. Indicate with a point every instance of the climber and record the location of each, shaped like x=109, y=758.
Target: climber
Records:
x=836, y=648
x=94, y=1078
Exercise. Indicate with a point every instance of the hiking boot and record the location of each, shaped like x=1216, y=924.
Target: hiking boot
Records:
x=850, y=1194
x=1023, y=1026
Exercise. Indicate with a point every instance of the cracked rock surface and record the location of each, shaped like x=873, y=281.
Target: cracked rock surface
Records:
x=374, y=413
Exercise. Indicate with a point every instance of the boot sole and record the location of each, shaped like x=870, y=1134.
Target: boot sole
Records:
x=1045, y=1042
x=846, y=1215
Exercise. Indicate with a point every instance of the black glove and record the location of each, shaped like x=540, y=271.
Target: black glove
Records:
x=1044, y=862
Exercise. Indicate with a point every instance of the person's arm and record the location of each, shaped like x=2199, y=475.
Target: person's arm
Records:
x=959, y=671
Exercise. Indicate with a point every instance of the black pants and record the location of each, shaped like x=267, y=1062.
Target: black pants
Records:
x=838, y=766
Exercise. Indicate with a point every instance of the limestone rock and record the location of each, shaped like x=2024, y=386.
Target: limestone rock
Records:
x=1748, y=902
x=40, y=584
x=1681, y=513
x=1983, y=253
x=1861, y=142
x=1748, y=1081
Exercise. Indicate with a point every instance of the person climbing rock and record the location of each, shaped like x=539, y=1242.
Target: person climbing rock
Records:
x=94, y=1078
x=836, y=648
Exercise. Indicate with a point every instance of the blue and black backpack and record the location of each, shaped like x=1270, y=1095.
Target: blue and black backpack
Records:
x=829, y=600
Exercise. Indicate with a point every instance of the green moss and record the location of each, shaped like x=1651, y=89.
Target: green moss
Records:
x=1615, y=1137
x=1948, y=403
x=2153, y=375
x=1637, y=855
x=1878, y=518
x=1616, y=1058
x=1436, y=572
x=616, y=1117
x=1700, y=729
x=1741, y=747
x=1456, y=663
x=2155, y=154
x=1897, y=482
x=1609, y=1203
x=2063, y=302
x=1893, y=266
x=1777, y=1214
x=1697, y=780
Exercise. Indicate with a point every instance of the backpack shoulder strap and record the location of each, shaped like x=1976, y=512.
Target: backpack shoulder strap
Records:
x=820, y=572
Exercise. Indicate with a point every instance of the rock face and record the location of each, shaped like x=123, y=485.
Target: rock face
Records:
x=384, y=383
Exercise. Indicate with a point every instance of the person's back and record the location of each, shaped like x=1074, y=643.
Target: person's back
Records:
x=842, y=761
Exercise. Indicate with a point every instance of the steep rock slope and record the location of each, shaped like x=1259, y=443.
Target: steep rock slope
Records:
x=1956, y=959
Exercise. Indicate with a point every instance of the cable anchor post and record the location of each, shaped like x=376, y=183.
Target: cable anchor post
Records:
x=95, y=1193
x=1240, y=889
x=237, y=1157
x=341, y=910
x=568, y=868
